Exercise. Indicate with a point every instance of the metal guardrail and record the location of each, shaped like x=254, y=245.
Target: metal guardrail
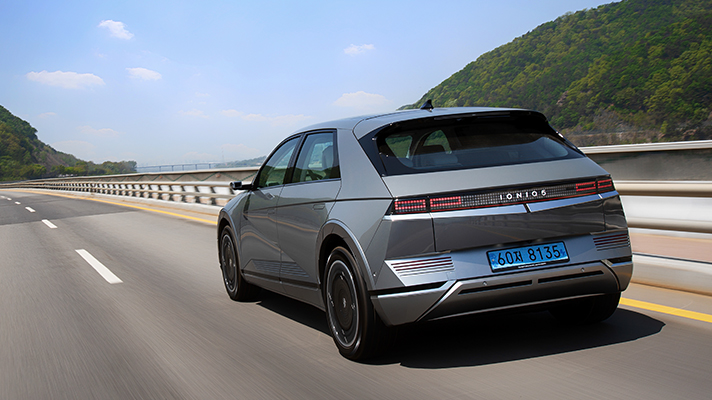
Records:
x=188, y=192
x=666, y=161
x=664, y=188
x=210, y=187
x=648, y=147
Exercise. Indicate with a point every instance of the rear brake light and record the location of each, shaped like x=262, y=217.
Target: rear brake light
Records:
x=449, y=202
x=586, y=187
x=410, y=206
x=605, y=185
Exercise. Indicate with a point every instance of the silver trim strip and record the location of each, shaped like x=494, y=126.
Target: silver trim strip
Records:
x=511, y=209
x=548, y=205
x=609, y=194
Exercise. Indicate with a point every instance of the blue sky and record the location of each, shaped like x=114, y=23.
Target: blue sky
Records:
x=169, y=82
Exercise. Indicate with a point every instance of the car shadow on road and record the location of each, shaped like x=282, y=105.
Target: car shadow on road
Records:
x=483, y=339
x=295, y=310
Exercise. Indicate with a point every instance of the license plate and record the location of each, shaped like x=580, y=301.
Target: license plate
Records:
x=527, y=256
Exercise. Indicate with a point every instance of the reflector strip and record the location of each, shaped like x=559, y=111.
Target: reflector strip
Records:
x=422, y=266
x=611, y=241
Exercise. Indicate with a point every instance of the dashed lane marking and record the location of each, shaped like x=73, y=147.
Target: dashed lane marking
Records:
x=29, y=209
x=213, y=222
x=667, y=310
x=99, y=267
x=18, y=203
x=48, y=223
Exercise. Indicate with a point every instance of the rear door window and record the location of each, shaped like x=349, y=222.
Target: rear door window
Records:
x=317, y=159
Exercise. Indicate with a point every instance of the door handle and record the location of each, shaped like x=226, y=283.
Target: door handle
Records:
x=318, y=206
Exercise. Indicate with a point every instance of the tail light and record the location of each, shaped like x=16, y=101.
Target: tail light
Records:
x=409, y=206
x=605, y=185
x=453, y=202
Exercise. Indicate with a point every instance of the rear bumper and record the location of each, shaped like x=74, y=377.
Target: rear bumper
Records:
x=504, y=291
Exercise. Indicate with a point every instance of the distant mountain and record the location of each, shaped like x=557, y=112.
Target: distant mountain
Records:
x=638, y=70
x=23, y=156
x=252, y=162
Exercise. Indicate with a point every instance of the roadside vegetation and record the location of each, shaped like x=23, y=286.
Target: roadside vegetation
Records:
x=23, y=156
x=627, y=72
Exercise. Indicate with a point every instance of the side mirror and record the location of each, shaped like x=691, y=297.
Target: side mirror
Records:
x=238, y=185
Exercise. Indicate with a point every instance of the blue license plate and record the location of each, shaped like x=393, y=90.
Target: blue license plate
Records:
x=527, y=256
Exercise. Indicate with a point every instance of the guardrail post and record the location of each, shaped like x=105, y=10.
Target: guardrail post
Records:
x=212, y=198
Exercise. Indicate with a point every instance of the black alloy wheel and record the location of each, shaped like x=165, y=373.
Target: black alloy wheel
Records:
x=357, y=330
x=237, y=288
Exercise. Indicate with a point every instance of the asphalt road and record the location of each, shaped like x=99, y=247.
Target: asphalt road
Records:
x=168, y=330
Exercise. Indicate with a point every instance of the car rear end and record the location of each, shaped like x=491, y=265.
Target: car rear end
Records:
x=492, y=210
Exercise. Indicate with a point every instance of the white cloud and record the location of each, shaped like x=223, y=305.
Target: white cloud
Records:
x=194, y=113
x=363, y=101
x=231, y=113
x=47, y=115
x=354, y=50
x=143, y=73
x=279, y=120
x=255, y=117
x=116, y=29
x=67, y=80
x=198, y=94
x=104, y=132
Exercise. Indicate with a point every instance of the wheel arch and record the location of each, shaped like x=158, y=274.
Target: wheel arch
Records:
x=334, y=234
x=223, y=221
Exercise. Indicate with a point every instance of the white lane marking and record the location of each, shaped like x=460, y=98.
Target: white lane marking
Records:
x=51, y=225
x=8, y=199
x=29, y=209
x=99, y=267
x=18, y=203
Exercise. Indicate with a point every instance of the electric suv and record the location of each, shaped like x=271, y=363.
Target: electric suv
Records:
x=425, y=214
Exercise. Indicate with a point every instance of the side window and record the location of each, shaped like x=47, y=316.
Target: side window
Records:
x=275, y=169
x=317, y=159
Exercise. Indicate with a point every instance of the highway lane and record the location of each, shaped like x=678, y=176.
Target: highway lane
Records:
x=168, y=330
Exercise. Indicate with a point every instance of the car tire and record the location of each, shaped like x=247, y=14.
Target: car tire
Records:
x=588, y=310
x=356, y=328
x=237, y=288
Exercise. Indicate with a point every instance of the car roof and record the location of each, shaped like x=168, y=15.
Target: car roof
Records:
x=364, y=124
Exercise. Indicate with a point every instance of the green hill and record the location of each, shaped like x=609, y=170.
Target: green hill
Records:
x=637, y=70
x=24, y=156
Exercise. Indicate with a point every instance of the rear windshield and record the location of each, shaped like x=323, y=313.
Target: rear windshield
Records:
x=462, y=143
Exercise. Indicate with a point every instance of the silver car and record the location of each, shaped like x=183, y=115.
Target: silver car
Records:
x=419, y=215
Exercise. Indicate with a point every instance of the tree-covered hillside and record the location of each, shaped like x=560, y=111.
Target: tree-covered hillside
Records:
x=24, y=156
x=639, y=68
